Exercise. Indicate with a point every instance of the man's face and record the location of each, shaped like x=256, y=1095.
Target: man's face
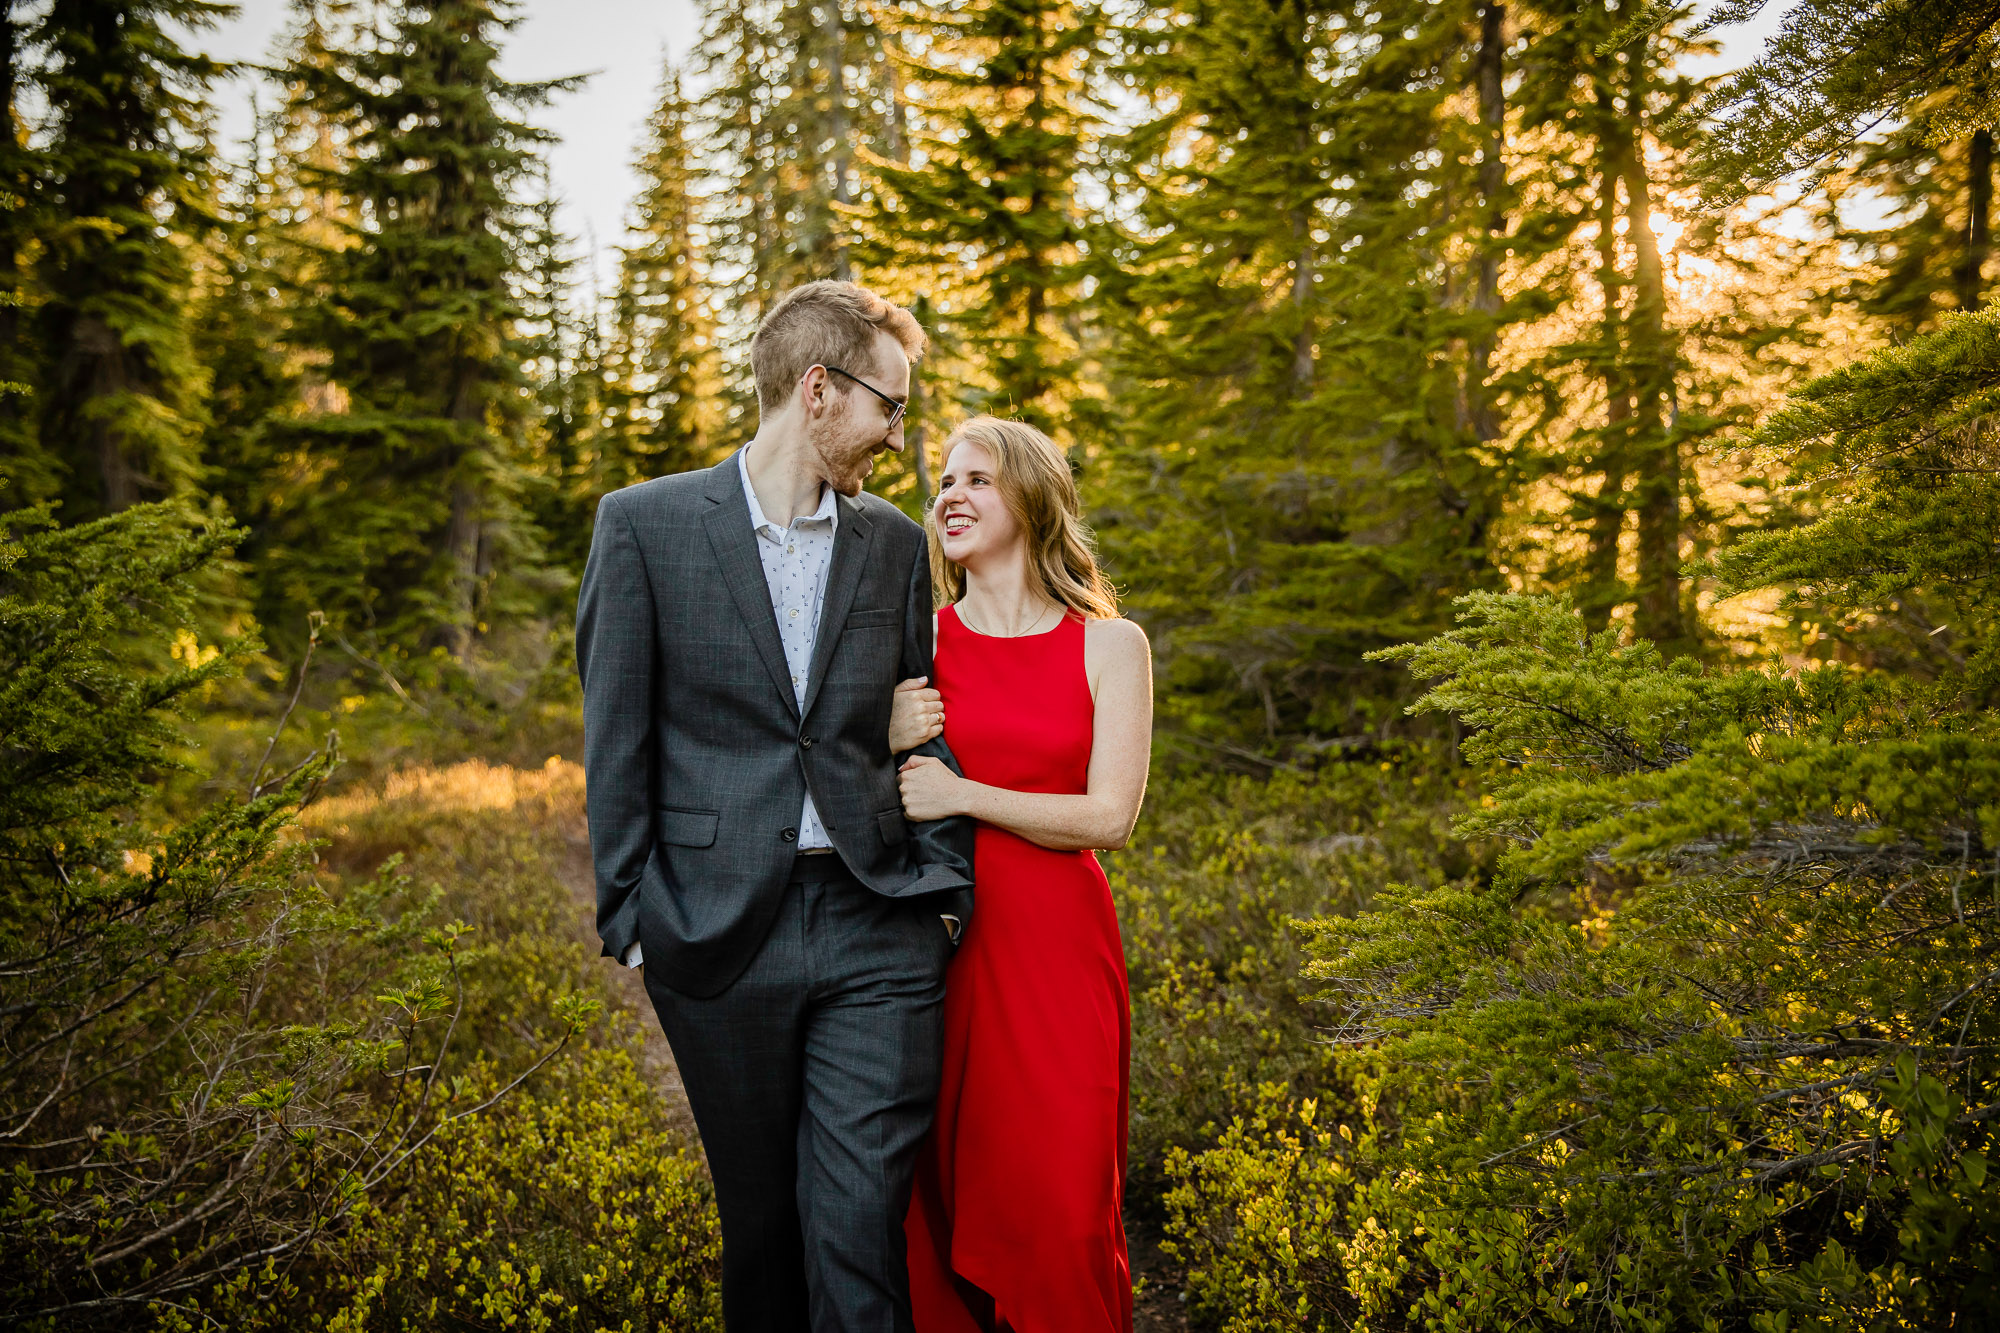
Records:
x=852, y=424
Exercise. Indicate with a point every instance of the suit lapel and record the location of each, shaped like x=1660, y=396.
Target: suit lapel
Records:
x=851, y=539
x=735, y=545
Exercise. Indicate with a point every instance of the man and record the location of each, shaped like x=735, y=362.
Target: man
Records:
x=740, y=633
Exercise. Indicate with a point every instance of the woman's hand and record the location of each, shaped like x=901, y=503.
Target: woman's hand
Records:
x=915, y=715
x=930, y=789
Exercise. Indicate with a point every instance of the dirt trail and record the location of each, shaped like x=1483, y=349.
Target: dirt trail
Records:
x=1156, y=1306
x=628, y=992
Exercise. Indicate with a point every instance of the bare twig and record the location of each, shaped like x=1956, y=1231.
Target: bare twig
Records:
x=314, y=620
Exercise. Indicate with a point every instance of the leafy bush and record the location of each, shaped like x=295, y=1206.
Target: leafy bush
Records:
x=574, y=1207
x=1209, y=896
x=1717, y=1047
x=576, y=1203
x=1715, y=1044
x=197, y=1078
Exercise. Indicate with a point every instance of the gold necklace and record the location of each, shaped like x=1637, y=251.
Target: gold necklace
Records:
x=1032, y=625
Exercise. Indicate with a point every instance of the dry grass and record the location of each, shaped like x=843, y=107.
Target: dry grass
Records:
x=454, y=806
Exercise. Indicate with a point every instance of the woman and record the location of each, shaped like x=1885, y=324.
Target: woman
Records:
x=1015, y=1220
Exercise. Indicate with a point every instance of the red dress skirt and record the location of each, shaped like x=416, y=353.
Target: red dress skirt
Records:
x=1015, y=1222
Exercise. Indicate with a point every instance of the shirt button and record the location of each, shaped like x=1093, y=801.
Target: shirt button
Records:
x=790, y=549
x=794, y=613
x=789, y=835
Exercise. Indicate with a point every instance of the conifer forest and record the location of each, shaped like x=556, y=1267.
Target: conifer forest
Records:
x=1560, y=483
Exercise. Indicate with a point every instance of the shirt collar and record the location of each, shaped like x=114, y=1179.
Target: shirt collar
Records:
x=828, y=511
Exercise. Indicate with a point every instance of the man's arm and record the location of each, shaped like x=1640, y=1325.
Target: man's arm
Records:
x=615, y=661
x=943, y=845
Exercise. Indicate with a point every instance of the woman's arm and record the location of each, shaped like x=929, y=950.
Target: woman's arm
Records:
x=1120, y=667
x=916, y=713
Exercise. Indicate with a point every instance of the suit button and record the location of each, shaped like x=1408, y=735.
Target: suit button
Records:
x=790, y=835
x=805, y=742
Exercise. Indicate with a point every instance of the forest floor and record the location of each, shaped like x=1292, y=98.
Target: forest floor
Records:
x=1157, y=1307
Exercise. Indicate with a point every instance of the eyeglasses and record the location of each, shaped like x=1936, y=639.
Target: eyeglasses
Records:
x=896, y=408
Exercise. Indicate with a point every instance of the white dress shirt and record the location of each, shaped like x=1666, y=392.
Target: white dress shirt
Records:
x=796, y=561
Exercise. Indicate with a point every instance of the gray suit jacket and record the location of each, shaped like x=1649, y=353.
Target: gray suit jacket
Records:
x=697, y=756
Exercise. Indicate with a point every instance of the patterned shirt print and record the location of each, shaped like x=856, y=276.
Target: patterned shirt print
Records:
x=796, y=561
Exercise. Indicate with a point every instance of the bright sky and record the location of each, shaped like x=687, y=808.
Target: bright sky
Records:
x=621, y=43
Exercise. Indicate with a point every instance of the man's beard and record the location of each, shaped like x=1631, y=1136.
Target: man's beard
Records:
x=845, y=468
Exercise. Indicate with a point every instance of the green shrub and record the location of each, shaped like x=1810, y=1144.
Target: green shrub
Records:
x=213, y=1054
x=1209, y=896
x=575, y=1203
x=1718, y=1045
x=1260, y=1220
x=1714, y=1049
x=574, y=1207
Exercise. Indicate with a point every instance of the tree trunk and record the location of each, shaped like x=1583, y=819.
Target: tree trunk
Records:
x=1487, y=71
x=895, y=132
x=843, y=150
x=463, y=540
x=10, y=224
x=1970, y=277
x=95, y=372
x=1302, y=342
x=1655, y=452
x=896, y=139
x=464, y=535
x=1303, y=268
x=1601, y=588
x=96, y=368
x=919, y=435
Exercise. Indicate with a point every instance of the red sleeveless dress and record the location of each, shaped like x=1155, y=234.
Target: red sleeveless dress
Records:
x=1015, y=1223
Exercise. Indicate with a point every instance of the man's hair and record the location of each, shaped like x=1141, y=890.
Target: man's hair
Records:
x=825, y=323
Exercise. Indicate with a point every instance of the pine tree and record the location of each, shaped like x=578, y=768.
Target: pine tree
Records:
x=1805, y=110
x=660, y=371
x=1637, y=377
x=119, y=391
x=793, y=92
x=22, y=467
x=978, y=207
x=1930, y=179
x=414, y=532
x=563, y=361
x=1304, y=317
x=1719, y=1036
x=238, y=331
x=1836, y=70
x=1638, y=449
x=255, y=268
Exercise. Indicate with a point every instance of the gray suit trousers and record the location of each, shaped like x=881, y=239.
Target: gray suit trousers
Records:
x=813, y=1077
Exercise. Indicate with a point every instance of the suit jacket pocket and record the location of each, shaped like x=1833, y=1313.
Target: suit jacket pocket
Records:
x=895, y=829
x=871, y=619
x=686, y=828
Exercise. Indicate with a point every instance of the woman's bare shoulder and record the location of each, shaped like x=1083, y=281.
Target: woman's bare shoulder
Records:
x=1115, y=633
x=1116, y=643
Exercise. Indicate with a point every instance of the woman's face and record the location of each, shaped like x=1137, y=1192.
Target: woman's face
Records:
x=972, y=517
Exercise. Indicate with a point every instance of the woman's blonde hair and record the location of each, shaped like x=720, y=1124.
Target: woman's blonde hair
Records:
x=1036, y=485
